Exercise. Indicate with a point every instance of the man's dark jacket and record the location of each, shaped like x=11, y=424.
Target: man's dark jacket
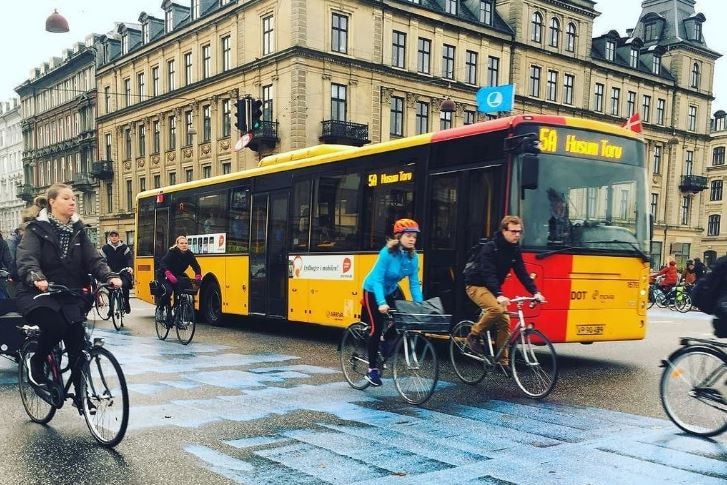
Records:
x=117, y=257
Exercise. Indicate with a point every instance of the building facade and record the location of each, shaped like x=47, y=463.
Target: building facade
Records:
x=715, y=236
x=11, y=166
x=357, y=71
x=58, y=105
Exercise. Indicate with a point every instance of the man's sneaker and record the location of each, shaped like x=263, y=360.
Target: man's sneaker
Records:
x=36, y=372
x=474, y=344
x=78, y=404
x=373, y=377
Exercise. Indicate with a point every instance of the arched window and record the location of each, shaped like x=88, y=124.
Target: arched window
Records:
x=554, y=32
x=537, y=27
x=570, y=38
x=695, y=75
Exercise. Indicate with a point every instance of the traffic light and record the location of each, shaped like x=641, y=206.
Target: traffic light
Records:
x=257, y=115
x=240, y=118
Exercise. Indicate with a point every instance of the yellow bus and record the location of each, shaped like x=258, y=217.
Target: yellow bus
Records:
x=294, y=237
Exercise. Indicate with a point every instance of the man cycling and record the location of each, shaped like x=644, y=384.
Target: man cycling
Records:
x=483, y=284
x=118, y=257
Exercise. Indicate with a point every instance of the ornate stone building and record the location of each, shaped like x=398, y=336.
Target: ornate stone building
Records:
x=11, y=166
x=58, y=103
x=715, y=239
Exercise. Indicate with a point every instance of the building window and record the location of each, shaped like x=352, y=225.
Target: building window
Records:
x=171, y=76
x=206, y=172
x=188, y=175
x=155, y=81
x=398, y=49
x=110, y=196
x=568, y=82
x=660, y=108
x=445, y=120
x=127, y=92
x=140, y=86
x=142, y=184
x=268, y=35
x=397, y=116
x=469, y=117
x=172, y=135
x=226, y=168
x=188, y=128
x=554, y=32
x=206, y=123
x=615, y=101
x=267, y=99
x=156, y=136
x=172, y=178
x=188, y=69
x=692, y=118
x=226, y=53
x=654, y=205
x=656, y=65
x=718, y=156
x=713, y=225
x=129, y=196
x=127, y=144
x=570, y=38
x=493, y=71
x=448, y=61
x=657, y=159
x=631, y=103
x=141, y=129
x=715, y=192
x=695, y=75
x=157, y=180
x=168, y=20
x=338, y=102
x=226, y=125
x=486, y=12
x=536, y=26
x=646, y=108
x=551, y=93
x=422, y=117
x=535, y=81
x=424, y=53
x=107, y=99
x=450, y=6
x=598, y=98
x=689, y=163
x=108, y=146
x=206, y=62
x=685, y=209
x=471, y=67
x=634, y=58
x=650, y=31
x=339, y=33
x=195, y=9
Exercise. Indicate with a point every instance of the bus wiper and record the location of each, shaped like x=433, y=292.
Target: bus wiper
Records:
x=644, y=257
x=557, y=251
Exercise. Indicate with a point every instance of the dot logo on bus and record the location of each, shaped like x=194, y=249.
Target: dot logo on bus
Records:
x=578, y=295
x=346, y=265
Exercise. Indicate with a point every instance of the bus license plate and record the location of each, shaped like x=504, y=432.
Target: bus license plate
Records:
x=590, y=329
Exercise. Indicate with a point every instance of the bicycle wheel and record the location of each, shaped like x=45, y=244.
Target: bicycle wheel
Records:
x=353, y=353
x=693, y=390
x=101, y=303
x=534, y=364
x=106, y=407
x=683, y=302
x=117, y=313
x=416, y=368
x=469, y=367
x=661, y=299
x=184, y=320
x=160, y=321
x=39, y=410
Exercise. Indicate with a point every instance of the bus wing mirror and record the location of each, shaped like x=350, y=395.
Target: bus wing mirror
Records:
x=529, y=172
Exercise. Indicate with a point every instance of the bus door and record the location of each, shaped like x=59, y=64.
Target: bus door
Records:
x=161, y=236
x=268, y=255
x=462, y=209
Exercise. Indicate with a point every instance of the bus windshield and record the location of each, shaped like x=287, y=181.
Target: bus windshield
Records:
x=586, y=204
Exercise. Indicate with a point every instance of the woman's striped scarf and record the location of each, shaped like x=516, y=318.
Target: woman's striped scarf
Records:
x=64, y=232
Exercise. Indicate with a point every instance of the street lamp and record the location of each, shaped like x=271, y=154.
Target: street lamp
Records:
x=448, y=106
x=56, y=23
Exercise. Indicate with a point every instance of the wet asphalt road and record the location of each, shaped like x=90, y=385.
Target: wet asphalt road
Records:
x=260, y=402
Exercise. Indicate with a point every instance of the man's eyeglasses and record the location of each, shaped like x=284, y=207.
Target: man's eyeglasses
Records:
x=516, y=231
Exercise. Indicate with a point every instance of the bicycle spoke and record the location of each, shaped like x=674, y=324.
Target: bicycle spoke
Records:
x=416, y=368
x=106, y=403
x=353, y=355
x=468, y=366
x=534, y=364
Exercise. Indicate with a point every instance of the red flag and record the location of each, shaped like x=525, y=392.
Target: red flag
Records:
x=634, y=123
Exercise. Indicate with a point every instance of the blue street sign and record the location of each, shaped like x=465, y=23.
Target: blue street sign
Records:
x=495, y=98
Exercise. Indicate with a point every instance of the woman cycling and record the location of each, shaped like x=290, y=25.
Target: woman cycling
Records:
x=173, y=265
x=396, y=261
x=55, y=247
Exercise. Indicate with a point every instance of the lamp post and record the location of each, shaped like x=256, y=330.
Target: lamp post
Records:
x=56, y=23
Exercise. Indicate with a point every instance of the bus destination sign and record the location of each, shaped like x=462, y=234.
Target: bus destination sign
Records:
x=580, y=143
x=384, y=178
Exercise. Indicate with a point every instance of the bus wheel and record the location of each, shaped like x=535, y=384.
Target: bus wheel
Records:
x=212, y=303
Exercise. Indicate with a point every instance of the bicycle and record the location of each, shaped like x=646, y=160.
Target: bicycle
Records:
x=117, y=305
x=180, y=315
x=677, y=298
x=533, y=361
x=413, y=358
x=105, y=398
x=693, y=386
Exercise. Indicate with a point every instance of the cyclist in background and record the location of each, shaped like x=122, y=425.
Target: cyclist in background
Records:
x=55, y=247
x=118, y=256
x=173, y=265
x=397, y=260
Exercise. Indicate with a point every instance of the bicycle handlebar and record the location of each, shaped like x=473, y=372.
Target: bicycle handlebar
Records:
x=519, y=300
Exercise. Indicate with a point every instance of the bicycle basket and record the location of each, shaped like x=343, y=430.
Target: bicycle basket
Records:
x=188, y=286
x=156, y=288
x=426, y=317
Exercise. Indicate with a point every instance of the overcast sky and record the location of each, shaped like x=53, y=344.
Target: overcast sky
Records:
x=26, y=45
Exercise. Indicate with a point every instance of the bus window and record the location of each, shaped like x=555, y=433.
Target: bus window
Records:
x=238, y=237
x=335, y=213
x=300, y=221
x=212, y=213
x=389, y=196
x=145, y=226
x=185, y=215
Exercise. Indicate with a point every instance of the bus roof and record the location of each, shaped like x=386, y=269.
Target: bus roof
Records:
x=321, y=154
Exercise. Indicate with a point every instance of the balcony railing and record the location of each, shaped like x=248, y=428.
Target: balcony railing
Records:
x=103, y=169
x=265, y=136
x=693, y=183
x=82, y=181
x=344, y=133
x=25, y=192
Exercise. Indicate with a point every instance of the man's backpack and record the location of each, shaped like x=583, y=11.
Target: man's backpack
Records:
x=706, y=290
x=472, y=266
